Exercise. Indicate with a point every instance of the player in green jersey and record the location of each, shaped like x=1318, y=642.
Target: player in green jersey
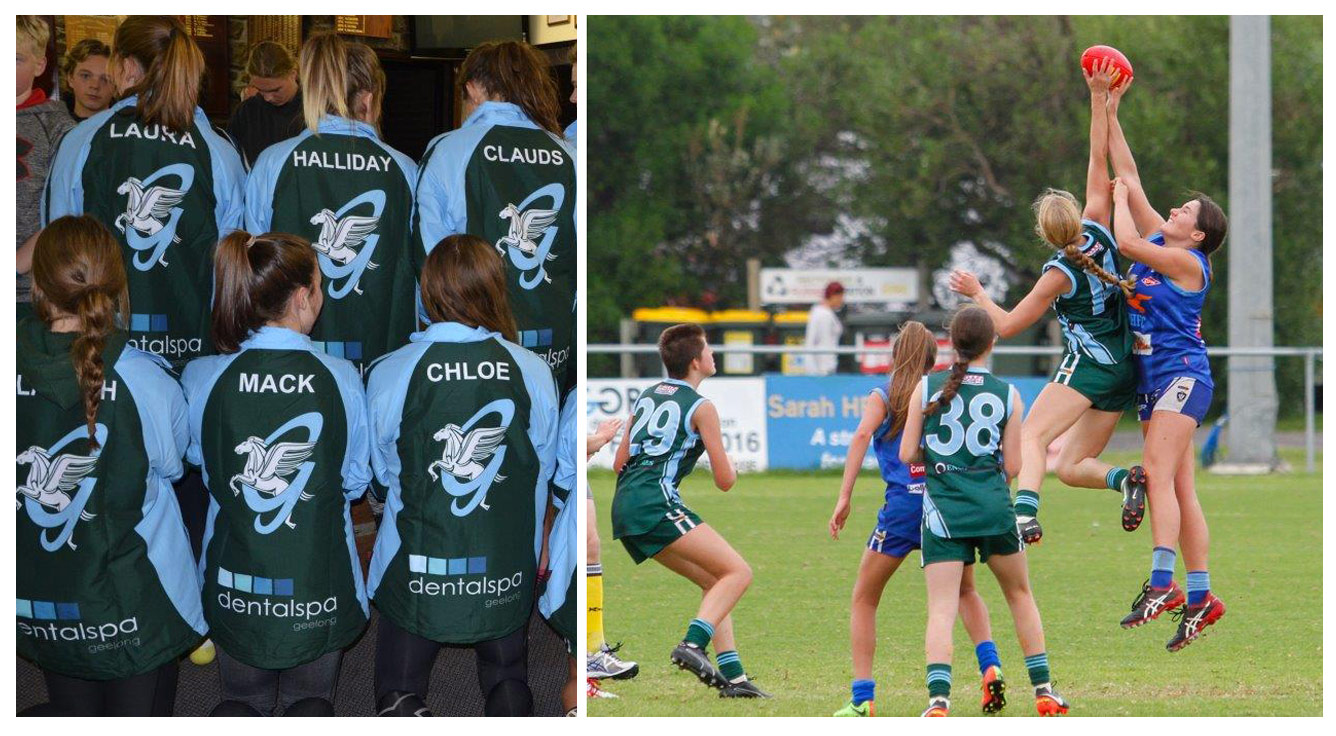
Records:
x=971, y=450
x=1096, y=378
x=670, y=426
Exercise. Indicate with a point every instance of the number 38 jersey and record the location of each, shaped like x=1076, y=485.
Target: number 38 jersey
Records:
x=663, y=451
x=967, y=492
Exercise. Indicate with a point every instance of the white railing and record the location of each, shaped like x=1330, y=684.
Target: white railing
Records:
x=1310, y=355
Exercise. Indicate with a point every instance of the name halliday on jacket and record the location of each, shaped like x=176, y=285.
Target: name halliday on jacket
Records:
x=341, y=161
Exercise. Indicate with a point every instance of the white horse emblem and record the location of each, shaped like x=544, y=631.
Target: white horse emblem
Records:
x=268, y=468
x=531, y=233
x=58, y=487
x=147, y=209
x=340, y=237
x=472, y=457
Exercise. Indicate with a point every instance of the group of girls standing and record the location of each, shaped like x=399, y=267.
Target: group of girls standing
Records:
x=143, y=268
x=948, y=446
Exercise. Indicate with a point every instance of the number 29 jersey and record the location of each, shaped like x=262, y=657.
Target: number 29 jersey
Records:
x=663, y=451
x=967, y=493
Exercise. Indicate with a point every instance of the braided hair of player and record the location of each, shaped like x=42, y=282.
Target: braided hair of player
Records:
x=1058, y=222
x=972, y=334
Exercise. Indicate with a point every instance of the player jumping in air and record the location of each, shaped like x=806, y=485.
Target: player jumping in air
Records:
x=1095, y=380
x=670, y=426
x=971, y=450
x=898, y=525
x=1173, y=272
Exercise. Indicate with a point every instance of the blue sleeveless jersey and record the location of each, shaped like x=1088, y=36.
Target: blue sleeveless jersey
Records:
x=902, y=480
x=1166, y=326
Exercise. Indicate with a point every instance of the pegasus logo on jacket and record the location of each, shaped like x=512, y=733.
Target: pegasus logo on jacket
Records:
x=472, y=457
x=274, y=478
x=58, y=487
x=341, y=236
x=532, y=230
x=151, y=213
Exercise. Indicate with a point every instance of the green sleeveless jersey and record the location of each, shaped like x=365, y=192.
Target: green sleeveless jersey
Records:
x=280, y=431
x=663, y=451
x=104, y=573
x=465, y=441
x=351, y=195
x=505, y=180
x=1093, y=314
x=967, y=494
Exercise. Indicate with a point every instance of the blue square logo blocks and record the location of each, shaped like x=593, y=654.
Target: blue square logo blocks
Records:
x=67, y=611
x=477, y=565
x=262, y=586
x=44, y=610
x=25, y=608
x=437, y=566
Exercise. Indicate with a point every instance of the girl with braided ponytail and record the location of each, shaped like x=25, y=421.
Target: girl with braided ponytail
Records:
x=897, y=532
x=1096, y=378
x=101, y=431
x=968, y=423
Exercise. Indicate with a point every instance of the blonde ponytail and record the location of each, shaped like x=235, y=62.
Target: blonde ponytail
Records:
x=333, y=73
x=1058, y=223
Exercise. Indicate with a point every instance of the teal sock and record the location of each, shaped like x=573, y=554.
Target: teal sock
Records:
x=939, y=680
x=1114, y=479
x=730, y=666
x=699, y=633
x=1027, y=503
x=1038, y=666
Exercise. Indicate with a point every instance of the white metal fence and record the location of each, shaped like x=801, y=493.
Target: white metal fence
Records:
x=1310, y=357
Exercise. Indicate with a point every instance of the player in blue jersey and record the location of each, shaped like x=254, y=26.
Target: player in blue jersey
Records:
x=1173, y=273
x=1095, y=381
x=898, y=525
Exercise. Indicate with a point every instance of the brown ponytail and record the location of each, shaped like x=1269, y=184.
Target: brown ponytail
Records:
x=77, y=271
x=333, y=73
x=254, y=278
x=1058, y=222
x=173, y=67
x=914, y=353
x=515, y=72
x=464, y=281
x=972, y=334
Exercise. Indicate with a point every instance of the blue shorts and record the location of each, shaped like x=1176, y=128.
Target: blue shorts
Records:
x=1182, y=394
x=899, y=525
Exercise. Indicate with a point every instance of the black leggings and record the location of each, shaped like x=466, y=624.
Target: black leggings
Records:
x=150, y=694
x=404, y=661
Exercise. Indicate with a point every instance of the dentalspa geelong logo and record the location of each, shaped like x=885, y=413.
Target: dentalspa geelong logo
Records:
x=60, y=621
x=253, y=595
x=470, y=579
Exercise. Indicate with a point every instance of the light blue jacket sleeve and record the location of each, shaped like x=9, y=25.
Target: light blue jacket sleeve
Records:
x=162, y=410
x=197, y=381
x=260, y=183
x=441, y=209
x=386, y=390
x=543, y=423
x=229, y=178
x=357, y=461
x=64, y=194
x=568, y=428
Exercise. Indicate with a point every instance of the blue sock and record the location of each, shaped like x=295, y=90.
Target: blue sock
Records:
x=986, y=652
x=864, y=690
x=1199, y=584
x=1162, y=567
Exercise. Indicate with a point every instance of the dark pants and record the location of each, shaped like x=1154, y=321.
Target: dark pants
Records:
x=268, y=691
x=150, y=694
x=404, y=661
x=193, y=498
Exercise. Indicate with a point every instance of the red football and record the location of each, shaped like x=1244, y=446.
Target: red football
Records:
x=1122, y=68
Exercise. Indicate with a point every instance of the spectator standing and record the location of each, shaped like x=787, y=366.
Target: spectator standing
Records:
x=274, y=112
x=824, y=330
x=84, y=79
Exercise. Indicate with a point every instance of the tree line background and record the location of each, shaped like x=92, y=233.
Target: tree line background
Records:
x=715, y=140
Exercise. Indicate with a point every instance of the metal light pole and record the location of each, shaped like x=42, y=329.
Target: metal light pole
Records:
x=1252, y=381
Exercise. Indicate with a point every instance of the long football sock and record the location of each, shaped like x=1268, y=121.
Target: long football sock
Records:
x=863, y=691
x=594, y=639
x=986, y=653
x=1199, y=584
x=699, y=633
x=1114, y=479
x=1037, y=664
x=939, y=680
x=730, y=666
x=1162, y=567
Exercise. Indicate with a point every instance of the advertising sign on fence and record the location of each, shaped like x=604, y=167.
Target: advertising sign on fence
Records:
x=811, y=419
x=740, y=402
x=808, y=285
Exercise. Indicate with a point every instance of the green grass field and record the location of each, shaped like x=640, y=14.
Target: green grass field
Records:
x=1263, y=658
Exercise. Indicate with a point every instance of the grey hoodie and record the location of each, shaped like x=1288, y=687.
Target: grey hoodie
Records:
x=39, y=128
